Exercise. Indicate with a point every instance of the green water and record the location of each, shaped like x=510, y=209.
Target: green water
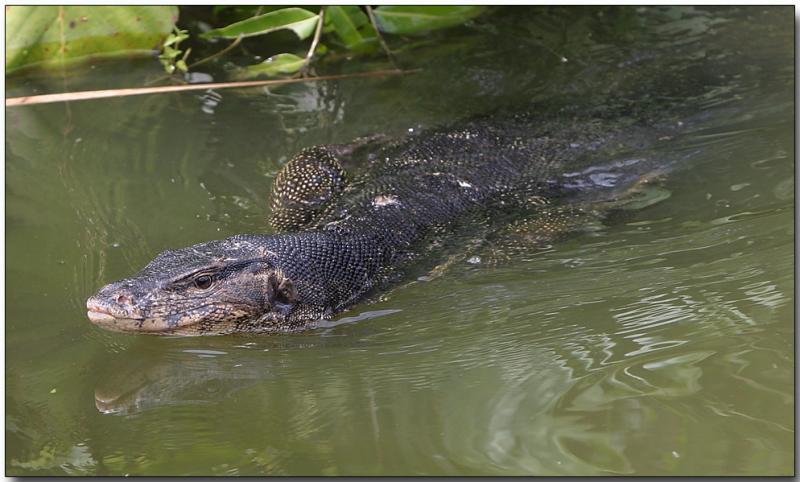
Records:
x=662, y=343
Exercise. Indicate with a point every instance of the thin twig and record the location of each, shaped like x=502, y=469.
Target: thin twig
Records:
x=314, y=42
x=224, y=51
x=380, y=37
x=101, y=94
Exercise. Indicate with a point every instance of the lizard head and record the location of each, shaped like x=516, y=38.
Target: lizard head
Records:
x=209, y=288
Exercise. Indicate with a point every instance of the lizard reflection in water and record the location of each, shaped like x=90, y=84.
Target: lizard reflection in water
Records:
x=542, y=173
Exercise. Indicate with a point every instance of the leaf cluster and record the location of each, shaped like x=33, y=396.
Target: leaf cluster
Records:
x=348, y=28
x=170, y=50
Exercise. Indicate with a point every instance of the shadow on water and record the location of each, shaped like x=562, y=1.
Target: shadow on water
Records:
x=658, y=342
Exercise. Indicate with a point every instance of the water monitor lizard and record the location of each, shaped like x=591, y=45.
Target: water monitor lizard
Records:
x=339, y=241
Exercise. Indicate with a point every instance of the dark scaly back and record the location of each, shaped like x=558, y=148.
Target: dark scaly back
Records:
x=430, y=182
x=436, y=177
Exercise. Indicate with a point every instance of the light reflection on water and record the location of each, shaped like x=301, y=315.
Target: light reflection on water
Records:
x=661, y=343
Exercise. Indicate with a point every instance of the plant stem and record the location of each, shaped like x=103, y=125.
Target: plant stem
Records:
x=314, y=42
x=218, y=54
x=380, y=37
x=101, y=94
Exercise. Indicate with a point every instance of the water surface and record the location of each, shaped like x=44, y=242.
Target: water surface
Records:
x=658, y=343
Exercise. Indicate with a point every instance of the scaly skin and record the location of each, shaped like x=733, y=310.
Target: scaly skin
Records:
x=352, y=240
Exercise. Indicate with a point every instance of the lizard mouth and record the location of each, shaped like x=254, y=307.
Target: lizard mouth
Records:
x=105, y=316
x=97, y=312
x=109, y=316
x=99, y=317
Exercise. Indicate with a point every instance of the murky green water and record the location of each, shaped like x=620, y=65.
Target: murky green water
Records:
x=661, y=344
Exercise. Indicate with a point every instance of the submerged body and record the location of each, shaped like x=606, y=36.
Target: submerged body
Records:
x=345, y=241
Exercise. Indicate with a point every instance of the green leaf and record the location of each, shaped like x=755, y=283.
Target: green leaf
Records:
x=351, y=26
x=298, y=20
x=176, y=37
x=236, y=13
x=411, y=19
x=275, y=65
x=50, y=36
x=169, y=53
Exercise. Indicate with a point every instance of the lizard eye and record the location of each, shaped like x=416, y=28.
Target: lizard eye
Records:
x=203, y=282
